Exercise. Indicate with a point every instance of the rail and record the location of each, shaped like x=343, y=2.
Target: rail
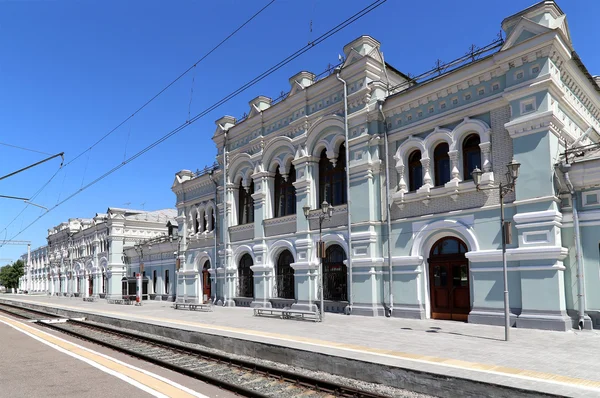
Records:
x=240, y=376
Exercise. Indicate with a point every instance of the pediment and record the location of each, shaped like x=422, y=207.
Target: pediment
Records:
x=296, y=88
x=524, y=30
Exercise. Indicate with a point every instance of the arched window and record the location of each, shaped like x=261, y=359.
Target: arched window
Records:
x=285, y=193
x=246, y=277
x=154, y=281
x=471, y=155
x=167, y=282
x=212, y=215
x=285, y=275
x=415, y=171
x=196, y=221
x=441, y=162
x=246, y=204
x=448, y=246
x=204, y=221
x=332, y=180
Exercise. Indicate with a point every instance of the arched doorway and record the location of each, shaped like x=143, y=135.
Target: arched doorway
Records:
x=335, y=276
x=449, y=289
x=246, y=277
x=285, y=276
x=90, y=284
x=206, y=282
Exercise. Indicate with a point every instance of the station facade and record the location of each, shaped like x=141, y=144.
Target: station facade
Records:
x=529, y=101
x=86, y=257
x=410, y=234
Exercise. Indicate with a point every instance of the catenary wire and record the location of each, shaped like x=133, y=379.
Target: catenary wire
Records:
x=24, y=149
x=173, y=82
x=250, y=19
x=240, y=90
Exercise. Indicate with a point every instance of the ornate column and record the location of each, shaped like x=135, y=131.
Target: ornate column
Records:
x=305, y=267
x=427, y=181
x=229, y=269
x=262, y=270
x=486, y=166
x=96, y=272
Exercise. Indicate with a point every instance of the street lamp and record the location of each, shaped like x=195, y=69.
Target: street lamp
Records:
x=511, y=178
x=325, y=214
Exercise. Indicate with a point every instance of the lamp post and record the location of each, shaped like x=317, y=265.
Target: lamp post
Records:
x=511, y=178
x=325, y=214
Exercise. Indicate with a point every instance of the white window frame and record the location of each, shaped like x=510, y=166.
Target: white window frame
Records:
x=523, y=105
x=584, y=198
x=519, y=72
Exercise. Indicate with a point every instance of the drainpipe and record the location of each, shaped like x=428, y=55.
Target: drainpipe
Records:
x=225, y=220
x=215, y=231
x=565, y=167
x=349, y=217
x=388, y=214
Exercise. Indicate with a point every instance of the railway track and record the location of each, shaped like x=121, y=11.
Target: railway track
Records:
x=25, y=313
x=240, y=376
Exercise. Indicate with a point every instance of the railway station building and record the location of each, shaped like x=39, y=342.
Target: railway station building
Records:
x=432, y=246
x=86, y=257
x=402, y=178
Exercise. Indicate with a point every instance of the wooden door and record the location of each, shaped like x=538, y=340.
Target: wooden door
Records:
x=449, y=289
x=206, y=285
x=91, y=286
x=449, y=280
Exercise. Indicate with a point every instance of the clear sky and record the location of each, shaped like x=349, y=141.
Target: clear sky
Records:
x=70, y=71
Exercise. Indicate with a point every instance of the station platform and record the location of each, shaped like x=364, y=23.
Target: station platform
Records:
x=427, y=356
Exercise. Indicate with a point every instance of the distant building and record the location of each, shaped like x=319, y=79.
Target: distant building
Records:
x=85, y=256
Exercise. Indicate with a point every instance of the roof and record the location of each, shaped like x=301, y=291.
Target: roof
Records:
x=162, y=215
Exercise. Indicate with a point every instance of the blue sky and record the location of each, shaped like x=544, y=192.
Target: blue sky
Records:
x=70, y=71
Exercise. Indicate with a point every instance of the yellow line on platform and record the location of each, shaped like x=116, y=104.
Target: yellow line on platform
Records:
x=158, y=385
x=447, y=362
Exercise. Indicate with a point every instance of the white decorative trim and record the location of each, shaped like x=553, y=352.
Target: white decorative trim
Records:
x=555, y=267
x=556, y=253
x=584, y=197
x=528, y=102
x=526, y=236
x=537, y=216
x=404, y=261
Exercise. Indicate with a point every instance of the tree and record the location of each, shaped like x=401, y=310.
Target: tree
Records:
x=10, y=274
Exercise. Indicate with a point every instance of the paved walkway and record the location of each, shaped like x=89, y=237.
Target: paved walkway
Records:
x=566, y=363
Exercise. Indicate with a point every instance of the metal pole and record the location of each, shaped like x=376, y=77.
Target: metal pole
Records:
x=504, y=267
x=322, y=309
x=28, y=284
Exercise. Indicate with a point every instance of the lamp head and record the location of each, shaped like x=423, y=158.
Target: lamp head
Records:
x=476, y=173
x=513, y=169
x=306, y=210
x=325, y=207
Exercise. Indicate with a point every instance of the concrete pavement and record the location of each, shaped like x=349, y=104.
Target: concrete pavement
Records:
x=552, y=362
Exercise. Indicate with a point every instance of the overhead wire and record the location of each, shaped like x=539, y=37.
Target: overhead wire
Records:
x=173, y=81
x=24, y=149
x=348, y=21
x=223, y=41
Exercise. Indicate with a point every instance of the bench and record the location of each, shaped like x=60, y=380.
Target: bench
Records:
x=119, y=301
x=90, y=299
x=193, y=306
x=287, y=313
